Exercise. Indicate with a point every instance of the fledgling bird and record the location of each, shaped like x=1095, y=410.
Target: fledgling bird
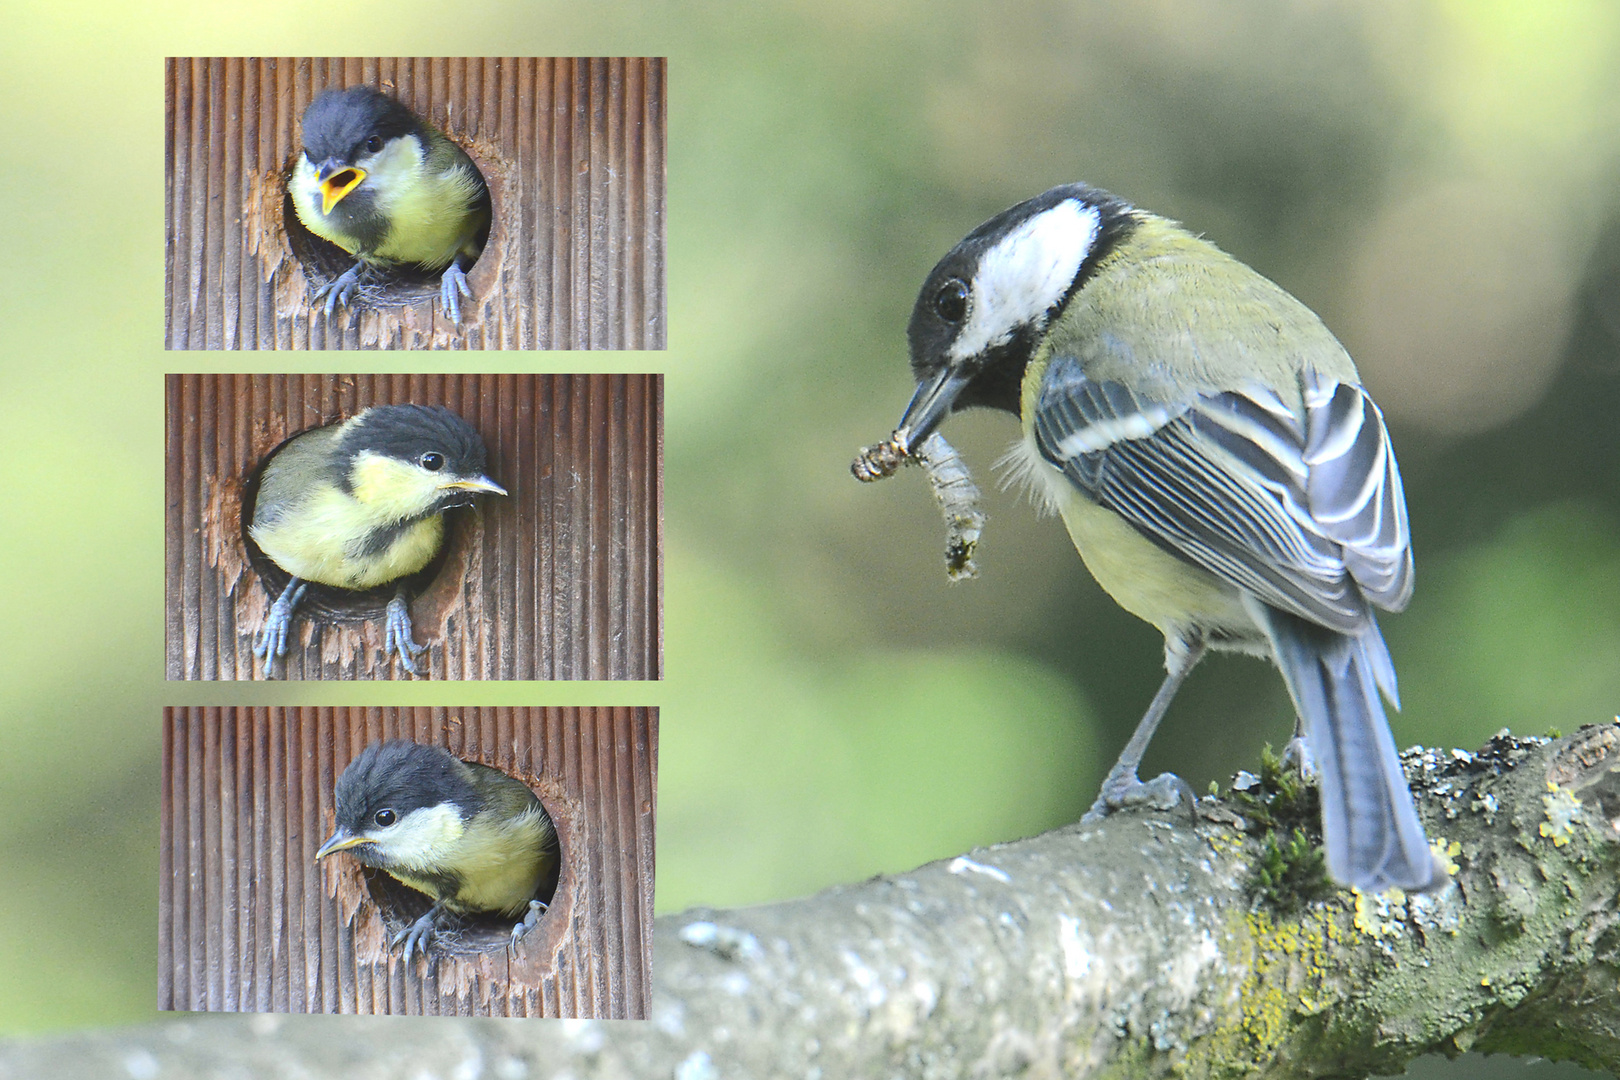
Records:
x=468, y=836
x=359, y=504
x=1218, y=466
x=390, y=189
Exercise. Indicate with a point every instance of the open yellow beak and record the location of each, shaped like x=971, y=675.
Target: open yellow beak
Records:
x=339, y=184
x=338, y=841
x=477, y=483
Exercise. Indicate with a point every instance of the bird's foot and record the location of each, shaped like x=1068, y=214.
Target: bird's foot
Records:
x=537, y=908
x=1164, y=792
x=397, y=635
x=341, y=289
x=272, y=639
x=452, y=287
x=419, y=935
x=1298, y=754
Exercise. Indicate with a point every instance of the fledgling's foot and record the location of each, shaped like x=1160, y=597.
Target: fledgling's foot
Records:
x=1164, y=792
x=397, y=635
x=537, y=908
x=452, y=286
x=341, y=289
x=419, y=935
x=272, y=640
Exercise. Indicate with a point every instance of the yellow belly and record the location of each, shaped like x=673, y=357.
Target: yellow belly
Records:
x=1146, y=580
x=321, y=543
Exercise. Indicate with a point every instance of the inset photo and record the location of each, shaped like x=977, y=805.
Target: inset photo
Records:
x=415, y=203
x=427, y=861
x=414, y=526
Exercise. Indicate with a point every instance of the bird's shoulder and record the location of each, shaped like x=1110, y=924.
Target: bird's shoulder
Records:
x=444, y=154
x=303, y=466
x=1173, y=314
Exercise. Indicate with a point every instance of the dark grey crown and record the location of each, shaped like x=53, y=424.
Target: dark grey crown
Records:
x=409, y=431
x=338, y=122
x=400, y=776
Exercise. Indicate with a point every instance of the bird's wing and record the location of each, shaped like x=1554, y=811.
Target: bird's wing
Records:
x=1306, y=512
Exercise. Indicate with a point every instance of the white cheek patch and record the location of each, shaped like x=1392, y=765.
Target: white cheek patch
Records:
x=387, y=169
x=420, y=839
x=1024, y=274
x=305, y=187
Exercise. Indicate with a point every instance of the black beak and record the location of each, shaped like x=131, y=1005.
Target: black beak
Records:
x=929, y=406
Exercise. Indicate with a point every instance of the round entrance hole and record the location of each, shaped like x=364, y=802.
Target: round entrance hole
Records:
x=470, y=935
x=323, y=261
x=329, y=603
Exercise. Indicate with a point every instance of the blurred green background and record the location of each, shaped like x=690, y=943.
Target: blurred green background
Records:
x=1437, y=178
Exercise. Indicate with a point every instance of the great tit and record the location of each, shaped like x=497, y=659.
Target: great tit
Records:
x=390, y=189
x=1217, y=464
x=468, y=836
x=359, y=504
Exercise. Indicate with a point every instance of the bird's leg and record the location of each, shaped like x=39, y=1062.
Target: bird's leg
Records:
x=419, y=934
x=341, y=289
x=397, y=636
x=537, y=908
x=454, y=282
x=1122, y=788
x=272, y=640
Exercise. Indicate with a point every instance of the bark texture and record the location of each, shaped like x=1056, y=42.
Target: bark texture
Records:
x=1135, y=947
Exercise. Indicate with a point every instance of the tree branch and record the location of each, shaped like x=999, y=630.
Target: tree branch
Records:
x=1128, y=947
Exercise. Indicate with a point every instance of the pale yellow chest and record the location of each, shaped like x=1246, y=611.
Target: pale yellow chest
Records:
x=426, y=206
x=499, y=863
x=429, y=222
x=325, y=541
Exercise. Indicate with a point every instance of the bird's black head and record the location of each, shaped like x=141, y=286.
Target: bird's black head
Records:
x=447, y=454
x=347, y=125
x=385, y=784
x=986, y=305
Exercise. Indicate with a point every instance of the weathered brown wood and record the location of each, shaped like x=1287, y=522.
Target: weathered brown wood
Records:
x=559, y=580
x=572, y=150
x=248, y=922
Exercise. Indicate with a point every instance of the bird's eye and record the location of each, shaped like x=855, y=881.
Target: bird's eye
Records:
x=432, y=461
x=374, y=144
x=384, y=818
x=950, y=302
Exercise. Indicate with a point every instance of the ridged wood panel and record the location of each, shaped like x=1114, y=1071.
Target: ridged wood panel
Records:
x=249, y=922
x=561, y=579
x=572, y=150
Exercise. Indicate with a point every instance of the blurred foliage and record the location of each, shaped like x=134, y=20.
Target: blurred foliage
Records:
x=1437, y=178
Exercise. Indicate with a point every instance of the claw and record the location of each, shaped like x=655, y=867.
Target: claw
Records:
x=1164, y=792
x=397, y=635
x=272, y=639
x=454, y=282
x=341, y=289
x=1298, y=753
x=418, y=935
x=537, y=908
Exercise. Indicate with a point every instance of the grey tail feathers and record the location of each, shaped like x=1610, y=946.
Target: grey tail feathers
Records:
x=1370, y=827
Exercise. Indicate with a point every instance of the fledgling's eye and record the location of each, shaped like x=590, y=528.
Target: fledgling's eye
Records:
x=432, y=461
x=950, y=302
x=374, y=144
x=385, y=818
